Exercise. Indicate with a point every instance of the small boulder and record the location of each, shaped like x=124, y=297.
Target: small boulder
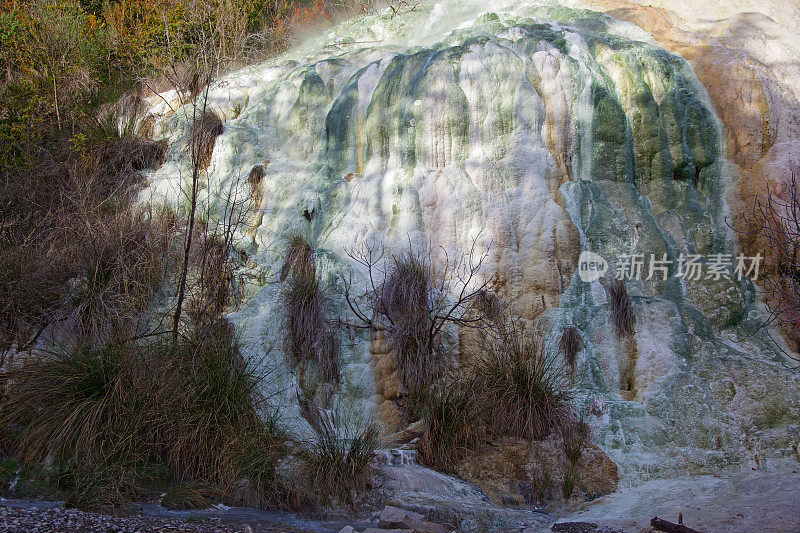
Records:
x=395, y=517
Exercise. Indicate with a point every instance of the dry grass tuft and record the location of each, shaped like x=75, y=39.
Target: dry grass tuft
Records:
x=203, y=137
x=255, y=181
x=312, y=335
x=300, y=261
x=255, y=177
x=113, y=150
x=117, y=263
x=104, y=414
x=189, y=496
x=337, y=468
x=514, y=390
x=522, y=391
x=575, y=435
x=405, y=301
x=623, y=314
x=449, y=414
x=570, y=345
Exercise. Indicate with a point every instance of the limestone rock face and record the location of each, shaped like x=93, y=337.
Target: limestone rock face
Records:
x=747, y=55
x=517, y=472
x=528, y=134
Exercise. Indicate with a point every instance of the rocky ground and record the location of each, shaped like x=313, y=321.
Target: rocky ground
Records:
x=15, y=519
x=766, y=500
x=49, y=517
x=744, y=501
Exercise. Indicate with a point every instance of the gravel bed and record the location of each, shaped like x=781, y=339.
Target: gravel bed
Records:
x=58, y=519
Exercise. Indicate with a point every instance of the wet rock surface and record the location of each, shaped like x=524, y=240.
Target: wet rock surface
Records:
x=737, y=501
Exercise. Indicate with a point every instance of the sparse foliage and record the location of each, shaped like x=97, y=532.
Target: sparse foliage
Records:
x=575, y=434
x=775, y=225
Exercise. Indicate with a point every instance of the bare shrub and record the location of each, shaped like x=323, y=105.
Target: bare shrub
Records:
x=33, y=282
x=413, y=301
x=212, y=289
x=623, y=314
x=774, y=226
x=119, y=262
x=370, y=7
x=570, y=344
x=78, y=253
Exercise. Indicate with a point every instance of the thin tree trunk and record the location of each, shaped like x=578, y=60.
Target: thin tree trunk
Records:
x=195, y=155
x=187, y=248
x=55, y=99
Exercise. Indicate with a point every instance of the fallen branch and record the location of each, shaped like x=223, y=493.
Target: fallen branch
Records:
x=669, y=527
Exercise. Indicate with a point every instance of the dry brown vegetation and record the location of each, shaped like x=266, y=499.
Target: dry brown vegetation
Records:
x=774, y=224
x=312, y=336
x=405, y=302
x=335, y=467
x=513, y=390
x=204, y=132
x=113, y=406
x=194, y=408
x=623, y=314
x=449, y=431
x=414, y=302
x=570, y=345
x=79, y=256
x=521, y=389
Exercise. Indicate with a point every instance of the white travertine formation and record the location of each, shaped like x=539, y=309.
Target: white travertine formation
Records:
x=534, y=131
